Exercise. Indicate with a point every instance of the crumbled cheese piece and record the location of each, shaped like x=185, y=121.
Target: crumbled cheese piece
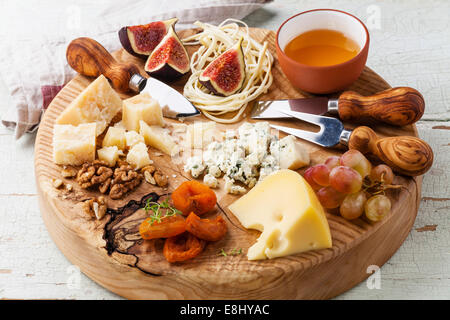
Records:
x=195, y=166
x=247, y=156
x=210, y=181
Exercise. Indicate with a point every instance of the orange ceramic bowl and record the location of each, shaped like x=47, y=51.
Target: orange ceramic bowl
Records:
x=323, y=79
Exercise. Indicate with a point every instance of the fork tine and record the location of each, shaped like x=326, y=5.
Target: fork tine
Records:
x=311, y=118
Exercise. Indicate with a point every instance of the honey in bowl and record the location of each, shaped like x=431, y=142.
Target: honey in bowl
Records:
x=321, y=47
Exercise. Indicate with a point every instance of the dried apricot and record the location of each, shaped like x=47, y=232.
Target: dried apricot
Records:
x=193, y=196
x=183, y=247
x=167, y=227
x=206, y=229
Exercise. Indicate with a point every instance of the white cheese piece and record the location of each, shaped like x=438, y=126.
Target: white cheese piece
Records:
x=291, y=154
x=195, y=166
x=287, y=212
x=115, y=136
x=108, y=155
x=138, y=157
x=141, y=107
x=74, y=145
x=210, y=181
x=132, y=138
x=159, y=138
x=97, y=103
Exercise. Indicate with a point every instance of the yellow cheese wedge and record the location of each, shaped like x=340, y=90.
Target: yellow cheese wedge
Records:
x=141, y=107
x=74, y=145
x=97, y=103
x=286, y=210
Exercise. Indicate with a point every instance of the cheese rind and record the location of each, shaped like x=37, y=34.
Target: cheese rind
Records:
x=115, y=137
x=109, y=155
x=286, y=210
x=141, y=107
x=138, y=157
x=74, y=145
x=159, y=138
x=97, y=103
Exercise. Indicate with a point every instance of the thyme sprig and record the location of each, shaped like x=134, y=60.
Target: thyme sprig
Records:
x=160, y=211
x=233, y=252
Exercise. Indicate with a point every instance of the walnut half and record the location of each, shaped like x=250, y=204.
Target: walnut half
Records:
x=95, y=207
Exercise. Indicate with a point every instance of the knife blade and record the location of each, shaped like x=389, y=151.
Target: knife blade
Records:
x=90, y=58
x=173, y=103
x=396, y=106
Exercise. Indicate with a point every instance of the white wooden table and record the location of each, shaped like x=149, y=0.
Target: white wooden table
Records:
x=409, y=46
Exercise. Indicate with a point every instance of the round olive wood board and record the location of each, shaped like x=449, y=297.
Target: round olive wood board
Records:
x=111, y=252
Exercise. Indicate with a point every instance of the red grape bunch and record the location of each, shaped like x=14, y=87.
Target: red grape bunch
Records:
x=351, y=184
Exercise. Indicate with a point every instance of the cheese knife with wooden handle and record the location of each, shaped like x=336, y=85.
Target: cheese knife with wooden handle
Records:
x=90, y=58
x=396, y=106
x=407, y=155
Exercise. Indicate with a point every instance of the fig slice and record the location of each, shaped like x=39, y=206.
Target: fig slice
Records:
x=225, y=75
x=141, y=40
x=169, y=60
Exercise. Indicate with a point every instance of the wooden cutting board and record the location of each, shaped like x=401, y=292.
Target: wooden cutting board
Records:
x=111, y=252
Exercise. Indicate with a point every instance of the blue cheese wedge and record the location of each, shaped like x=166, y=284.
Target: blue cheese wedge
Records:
x=247, y=156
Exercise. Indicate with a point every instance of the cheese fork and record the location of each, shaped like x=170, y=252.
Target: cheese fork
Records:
x=407, y=155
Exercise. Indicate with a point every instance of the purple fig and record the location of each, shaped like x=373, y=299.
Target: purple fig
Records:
x=169, y=60
x=225, y=75
x=141, y=40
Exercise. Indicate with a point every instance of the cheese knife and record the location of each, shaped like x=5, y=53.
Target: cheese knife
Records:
x=396, y=106
x=90, y=58
x=407, y=155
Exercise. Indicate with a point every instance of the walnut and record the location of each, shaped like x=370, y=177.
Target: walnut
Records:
x=125, y=179
x=150, y=169
x=160, y=178
x=95, y=207
x=68, y=172
x=95, y=174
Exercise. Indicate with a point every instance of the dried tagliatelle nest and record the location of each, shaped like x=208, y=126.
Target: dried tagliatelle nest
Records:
x=213, y=41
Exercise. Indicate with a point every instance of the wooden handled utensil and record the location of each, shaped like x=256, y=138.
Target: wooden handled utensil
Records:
x=396, y=106
x=90, y=58
x=407, y=155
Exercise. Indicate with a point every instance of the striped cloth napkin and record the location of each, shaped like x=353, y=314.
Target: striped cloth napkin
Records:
x=32, y=52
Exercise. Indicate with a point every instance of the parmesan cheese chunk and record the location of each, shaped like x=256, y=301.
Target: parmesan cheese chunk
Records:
x=141, y=107
x=108, y=155
x=286, y=210
x=132, y=138
x=159, y=138
x=138, y=157
x=74, y=145
x=97, y=103
x=115, y=137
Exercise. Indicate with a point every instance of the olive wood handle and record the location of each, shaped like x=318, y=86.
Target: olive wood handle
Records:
x=397, y=106
x=407, y=155
x=90, y=58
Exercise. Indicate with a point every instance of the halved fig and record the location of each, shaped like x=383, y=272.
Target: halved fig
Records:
x=169, y=60
x=225, y=75
x=141, y=40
